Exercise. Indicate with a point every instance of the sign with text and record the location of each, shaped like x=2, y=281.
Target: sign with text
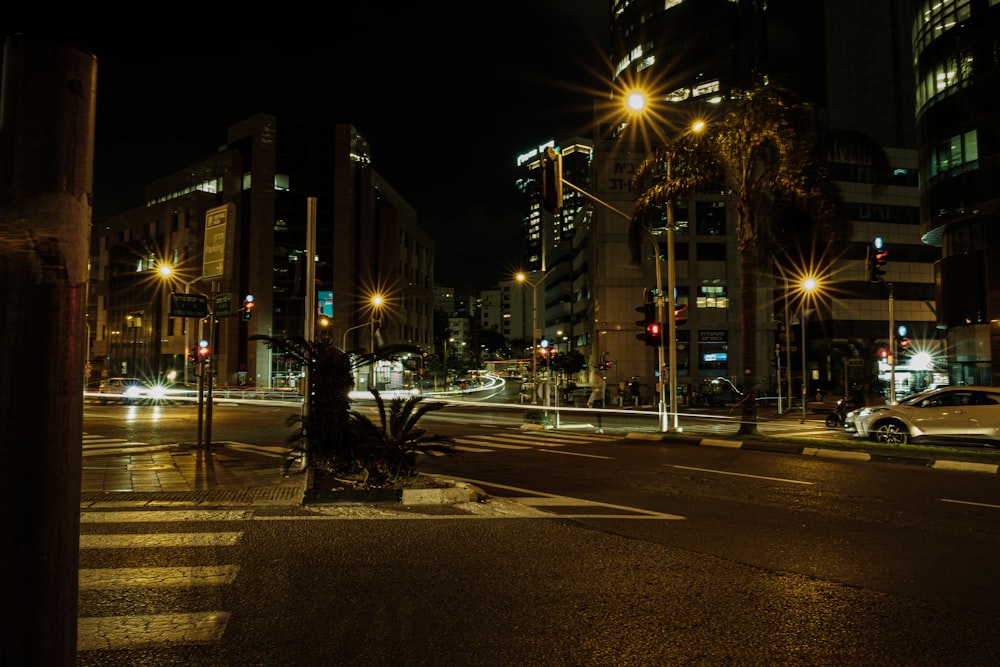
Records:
x=220, y=226
x=223, y=304
x=188, y=305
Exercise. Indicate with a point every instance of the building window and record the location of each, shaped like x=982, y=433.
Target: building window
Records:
x=712, y=296
x=954, y=154
x=711, y=219
x=713, y=353
x=711, y=252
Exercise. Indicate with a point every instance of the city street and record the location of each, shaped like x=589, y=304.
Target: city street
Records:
x=591, y=550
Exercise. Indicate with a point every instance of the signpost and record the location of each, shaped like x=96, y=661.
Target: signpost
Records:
x=188, y=305
x=223, y=304
x=220, y=223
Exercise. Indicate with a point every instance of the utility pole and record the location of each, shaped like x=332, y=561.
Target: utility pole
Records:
x=46, y=158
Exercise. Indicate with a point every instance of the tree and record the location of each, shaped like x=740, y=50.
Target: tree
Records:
x=389, y=448
x=768, y=153
x=329, y=435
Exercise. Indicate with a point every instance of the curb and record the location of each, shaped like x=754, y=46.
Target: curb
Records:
x=820, y=452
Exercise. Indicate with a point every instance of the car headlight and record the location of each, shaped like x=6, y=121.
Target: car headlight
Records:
x=157, y=392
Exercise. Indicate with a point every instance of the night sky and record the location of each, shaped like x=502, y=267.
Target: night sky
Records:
x=445, y=99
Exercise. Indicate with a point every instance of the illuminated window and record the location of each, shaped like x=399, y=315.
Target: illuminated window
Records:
x=953, y=154
x=712, y=296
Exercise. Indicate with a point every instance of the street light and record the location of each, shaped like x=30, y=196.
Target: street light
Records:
x=636, y=103
x=167, y=273
x=377, y=301
x=809, y=285
x=521, y=277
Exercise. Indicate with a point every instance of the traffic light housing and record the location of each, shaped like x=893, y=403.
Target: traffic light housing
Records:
x=654, y=334
x=877, y=258
x=903, y=339
x=648, y=320
x=248, y=306
x=552, y=188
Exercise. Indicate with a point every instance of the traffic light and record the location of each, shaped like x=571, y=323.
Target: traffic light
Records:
x=648, y=319
x=883, y=354
x=201, y=358
x=877, y=258
x=248, y=306
x=680, y=313
x=552, y=187
x=903, y=338
x=654, y=334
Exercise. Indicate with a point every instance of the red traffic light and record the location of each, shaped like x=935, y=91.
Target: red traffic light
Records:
x=654, y=332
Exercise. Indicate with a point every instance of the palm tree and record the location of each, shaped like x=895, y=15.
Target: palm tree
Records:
x=325, y=437
x=767, y=152
x=388, y=450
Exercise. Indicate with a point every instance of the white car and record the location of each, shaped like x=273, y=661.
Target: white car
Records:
x=948, y=414
x=127, y=390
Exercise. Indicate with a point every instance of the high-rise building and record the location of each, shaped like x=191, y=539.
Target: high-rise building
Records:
x=955, y=47
x=691, y=57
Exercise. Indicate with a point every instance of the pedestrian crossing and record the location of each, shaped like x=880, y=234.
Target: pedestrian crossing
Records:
x=144, y=562
x=95, y=445
x=485, y=443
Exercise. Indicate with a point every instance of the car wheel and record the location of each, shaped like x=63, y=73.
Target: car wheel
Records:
x=890, y=432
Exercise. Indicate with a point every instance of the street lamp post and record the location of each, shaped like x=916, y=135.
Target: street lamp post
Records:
x=376, y=322
x=636, y=102
x=168, y=273
x=521, y=277
x=809, y=284
x=376, y=304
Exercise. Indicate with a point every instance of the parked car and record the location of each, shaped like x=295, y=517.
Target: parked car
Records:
x=948, y=414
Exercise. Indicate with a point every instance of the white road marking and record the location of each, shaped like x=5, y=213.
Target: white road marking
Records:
x=164, y=515
x=158, y=540
x=118, y=632
x=740, y=474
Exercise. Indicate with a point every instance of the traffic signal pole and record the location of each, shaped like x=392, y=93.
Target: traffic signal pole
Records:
x=892, y=349
x=660, y=307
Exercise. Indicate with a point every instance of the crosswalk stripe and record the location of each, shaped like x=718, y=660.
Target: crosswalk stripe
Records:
x=158, y=540
x=527, y=441
x=152, y=516
x=118, y=632
x=137, y=632
x=157, y=577
x=489, y=443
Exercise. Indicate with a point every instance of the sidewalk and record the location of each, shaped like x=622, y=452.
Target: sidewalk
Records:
x=227, y=474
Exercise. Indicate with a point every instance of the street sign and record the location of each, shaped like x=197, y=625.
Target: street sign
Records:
x=223, y=304
x=220, y=224
x=188, y=305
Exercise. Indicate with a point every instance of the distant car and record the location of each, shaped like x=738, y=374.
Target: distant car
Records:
x=125, y=390
x=948, y=414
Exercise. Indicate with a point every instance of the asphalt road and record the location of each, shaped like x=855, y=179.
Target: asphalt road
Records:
x=596, y=550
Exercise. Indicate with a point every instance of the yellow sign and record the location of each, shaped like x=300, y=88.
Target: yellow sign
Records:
x=219, y=223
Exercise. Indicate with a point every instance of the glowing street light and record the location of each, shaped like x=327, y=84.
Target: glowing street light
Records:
x=808, y=287
x=636, y=103
x=522, y=277
x=168, y=273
